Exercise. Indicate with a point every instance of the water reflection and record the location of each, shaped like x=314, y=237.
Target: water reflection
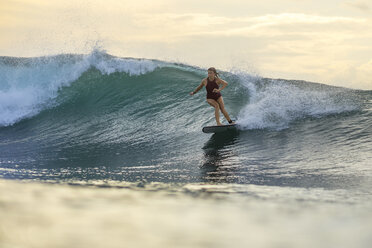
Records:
x=219, y=157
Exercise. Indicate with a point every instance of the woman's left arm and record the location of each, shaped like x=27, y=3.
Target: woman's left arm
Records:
x=223, y=82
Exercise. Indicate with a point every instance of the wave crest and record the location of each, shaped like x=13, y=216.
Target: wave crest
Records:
x=29, y=85
x=275, y=104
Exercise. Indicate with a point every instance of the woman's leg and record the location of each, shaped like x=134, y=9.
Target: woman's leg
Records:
x=222, y=107
x=216, y=107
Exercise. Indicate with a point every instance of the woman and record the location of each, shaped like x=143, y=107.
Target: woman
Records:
x=214, y=97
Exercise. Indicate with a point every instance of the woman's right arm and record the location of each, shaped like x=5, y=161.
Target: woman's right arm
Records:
x=198, y=88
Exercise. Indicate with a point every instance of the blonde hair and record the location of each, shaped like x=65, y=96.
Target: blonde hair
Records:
x=214, y=70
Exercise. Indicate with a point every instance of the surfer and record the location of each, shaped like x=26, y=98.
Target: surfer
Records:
x=214, y=97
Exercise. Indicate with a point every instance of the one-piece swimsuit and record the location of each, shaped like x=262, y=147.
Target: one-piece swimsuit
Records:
x=211, y=85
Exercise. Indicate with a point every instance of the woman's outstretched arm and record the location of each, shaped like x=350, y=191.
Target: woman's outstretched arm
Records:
x=198, y=88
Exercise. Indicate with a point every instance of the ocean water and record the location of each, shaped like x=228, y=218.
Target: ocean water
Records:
x=124, y=134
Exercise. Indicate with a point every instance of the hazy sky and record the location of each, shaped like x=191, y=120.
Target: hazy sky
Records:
x=326, y=41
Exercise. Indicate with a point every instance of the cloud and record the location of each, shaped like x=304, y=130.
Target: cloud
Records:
x=359, y=5
x=296, y=44
x=327, y=49
x=302, y=18
x=191, y=24
x=364, y=73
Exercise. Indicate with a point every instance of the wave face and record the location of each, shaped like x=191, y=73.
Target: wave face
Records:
x=70, y=116
x=29, y=85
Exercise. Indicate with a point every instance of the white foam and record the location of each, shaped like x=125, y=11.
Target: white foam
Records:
x=28, y=87
x=277, y=103
x=130, y=66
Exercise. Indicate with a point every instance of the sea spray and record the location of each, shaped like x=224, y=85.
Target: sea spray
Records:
x=277, y=103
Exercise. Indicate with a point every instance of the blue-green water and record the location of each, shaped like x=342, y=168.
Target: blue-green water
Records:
x=100, y=117
x=101, y=151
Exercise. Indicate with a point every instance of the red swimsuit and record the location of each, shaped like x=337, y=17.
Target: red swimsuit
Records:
x=211, y=85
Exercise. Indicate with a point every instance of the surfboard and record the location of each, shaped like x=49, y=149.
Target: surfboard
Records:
x=219, y=129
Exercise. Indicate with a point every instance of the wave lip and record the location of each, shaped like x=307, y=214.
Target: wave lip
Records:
x=29, y=85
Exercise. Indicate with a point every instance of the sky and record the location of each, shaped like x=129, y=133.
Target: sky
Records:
x=314, y=40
